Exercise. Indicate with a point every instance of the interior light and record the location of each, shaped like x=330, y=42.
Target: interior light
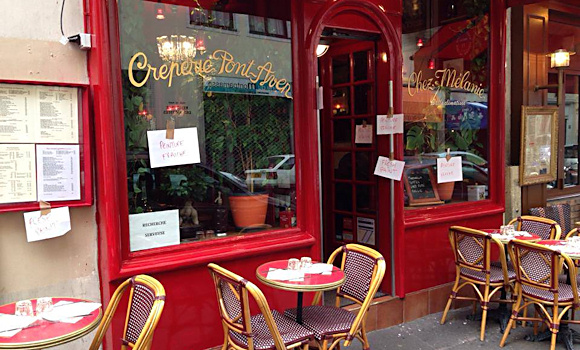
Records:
x=431, y=63
x=419, y=42
x=321, y=49
x=159, y=11
x=560, y=58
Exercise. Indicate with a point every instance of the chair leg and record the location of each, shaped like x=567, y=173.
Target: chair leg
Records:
x=450, y=300
x=515, y=310
x=363, y=334
x=555, y=327
x=226, y=342
x=484, y=306
x=324, y=345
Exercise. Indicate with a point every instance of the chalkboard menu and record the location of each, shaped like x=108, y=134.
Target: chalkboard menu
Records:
x=421, y=186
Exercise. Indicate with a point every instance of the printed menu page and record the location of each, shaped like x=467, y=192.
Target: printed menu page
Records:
x=58, y=172
x=38, y=114
x=17, y=173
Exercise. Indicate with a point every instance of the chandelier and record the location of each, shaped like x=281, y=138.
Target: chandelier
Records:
x=176, y=48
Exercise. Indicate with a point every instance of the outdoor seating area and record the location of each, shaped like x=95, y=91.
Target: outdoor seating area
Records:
x=536, y=273
x=360, y=272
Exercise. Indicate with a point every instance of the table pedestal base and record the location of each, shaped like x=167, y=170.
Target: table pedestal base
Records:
x=299, y=308
x=566, y=336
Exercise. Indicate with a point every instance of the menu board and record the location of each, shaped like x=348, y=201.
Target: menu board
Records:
x=17, y=173
x=38, y=114
x=421, y=186
x=40, y=145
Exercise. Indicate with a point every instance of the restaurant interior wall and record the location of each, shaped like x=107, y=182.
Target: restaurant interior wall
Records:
x=67, y=265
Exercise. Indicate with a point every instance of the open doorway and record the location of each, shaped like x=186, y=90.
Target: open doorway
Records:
x=350, y=192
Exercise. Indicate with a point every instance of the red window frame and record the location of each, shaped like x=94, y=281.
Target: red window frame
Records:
x=85, y=133
x=112, y=211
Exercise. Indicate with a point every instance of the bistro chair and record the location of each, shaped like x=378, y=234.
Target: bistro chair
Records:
x=364, y=269
x=269, y=330
x=537, y=281
x=558, y=212
x=543, y=227
x=146, y=302
x=472, y=249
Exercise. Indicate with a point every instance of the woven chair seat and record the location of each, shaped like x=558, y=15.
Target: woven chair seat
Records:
x=496, y=274
x=290, y=331
x=564, y=293
x=324, y=320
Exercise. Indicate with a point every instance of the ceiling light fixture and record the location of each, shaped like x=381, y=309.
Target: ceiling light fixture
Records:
x=159, y=11
x=176, y=48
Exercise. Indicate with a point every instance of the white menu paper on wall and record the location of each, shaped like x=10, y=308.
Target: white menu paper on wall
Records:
x=449, y=170
x=38, y=114
x=17, y=173
x=182, y=149
x=58, y=177
x=54, y=224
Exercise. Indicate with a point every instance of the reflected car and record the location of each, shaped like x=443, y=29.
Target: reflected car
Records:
x=280, y=173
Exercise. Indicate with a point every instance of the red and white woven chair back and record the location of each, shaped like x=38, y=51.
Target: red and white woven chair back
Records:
x=232, y=298
x=558, y=212
x=543, y=229
x=536, y=266
x=142, y=301
x=358, y=270
x=471, y=248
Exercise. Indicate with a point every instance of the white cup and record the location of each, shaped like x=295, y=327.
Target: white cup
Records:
x=293, y=264
x=305, y=262
x=24, y=308
x=43, y=305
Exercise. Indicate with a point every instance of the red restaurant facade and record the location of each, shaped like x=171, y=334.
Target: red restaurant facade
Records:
x=421, y=39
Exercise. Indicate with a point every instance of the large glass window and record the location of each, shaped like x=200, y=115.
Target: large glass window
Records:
x=445, y=99
x=208, y=118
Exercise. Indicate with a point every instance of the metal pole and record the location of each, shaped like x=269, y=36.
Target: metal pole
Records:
x=392, y=195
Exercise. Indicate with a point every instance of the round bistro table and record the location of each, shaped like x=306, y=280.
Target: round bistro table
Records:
x=45, y=334
x=310, y=283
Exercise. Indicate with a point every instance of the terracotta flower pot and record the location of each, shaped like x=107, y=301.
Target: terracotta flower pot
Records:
x=249, y=210
x=445, y=190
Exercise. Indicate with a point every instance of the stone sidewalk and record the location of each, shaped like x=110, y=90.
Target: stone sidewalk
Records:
x=457, y=333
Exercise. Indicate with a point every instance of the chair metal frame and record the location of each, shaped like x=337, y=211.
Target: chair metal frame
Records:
x=555, y=229
x=482, y=264
x=146, y=334
x=242, y=323
x=518, y=249
x=358, y=328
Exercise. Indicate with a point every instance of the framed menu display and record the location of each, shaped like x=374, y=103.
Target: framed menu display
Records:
x=539, y=142
x=44, y=145
x=421, y=186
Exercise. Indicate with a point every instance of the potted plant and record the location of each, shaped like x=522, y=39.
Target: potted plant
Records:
x=430, y=137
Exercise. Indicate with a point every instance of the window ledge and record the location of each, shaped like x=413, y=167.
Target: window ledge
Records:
x=200, y=254
x=451, y=213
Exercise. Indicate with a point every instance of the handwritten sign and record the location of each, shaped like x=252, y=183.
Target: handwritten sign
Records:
x=152, y=230
x=420, y=186
x=182, y=149
x=449, y=171
x=391, y=169
x=389, y=126
x=363, y=134
x=54, y=224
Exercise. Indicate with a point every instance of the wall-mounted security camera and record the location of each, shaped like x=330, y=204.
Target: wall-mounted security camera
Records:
x=82, y=39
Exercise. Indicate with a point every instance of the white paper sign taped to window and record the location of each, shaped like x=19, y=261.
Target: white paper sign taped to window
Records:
x=391, y=169
x=182, y=149
x=449, y=171
x=389, y=126
x=153, y=230
x=363, y=134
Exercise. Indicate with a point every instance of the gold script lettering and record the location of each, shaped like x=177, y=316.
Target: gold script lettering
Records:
x=443, y=78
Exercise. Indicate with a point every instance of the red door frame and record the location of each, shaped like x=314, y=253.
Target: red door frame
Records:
x=327, y=145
